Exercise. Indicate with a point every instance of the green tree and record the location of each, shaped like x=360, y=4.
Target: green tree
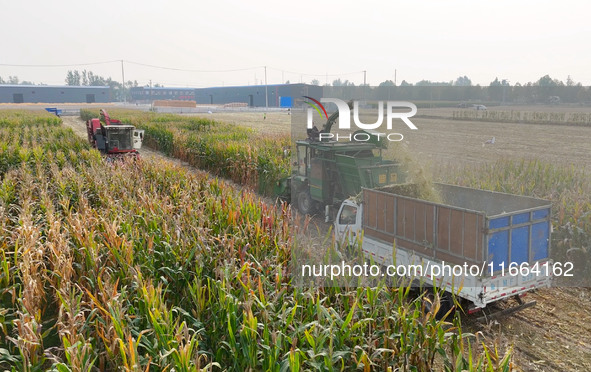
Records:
x=463, y=81
x=387, y=83
x=73, y=78
x=547, y=81
x=337, y=83
x=95, y=80
x=84, y=77
x=495, y=90
x=429, y=83
x=547, y=87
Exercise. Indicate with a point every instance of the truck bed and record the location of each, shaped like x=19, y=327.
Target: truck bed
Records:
x=468, y=225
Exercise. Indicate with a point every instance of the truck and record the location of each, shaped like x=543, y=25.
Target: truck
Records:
x=326, y=171
x=500, y=241
x=113, y=138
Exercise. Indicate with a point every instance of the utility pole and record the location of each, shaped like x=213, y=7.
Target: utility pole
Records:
x=266, y=93
x=122, y=86
x=364, y=77
x=151, y=94
x=394, y=76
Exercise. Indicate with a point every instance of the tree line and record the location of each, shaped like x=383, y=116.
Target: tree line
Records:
x=543, y=90
x=14, y=80
x=88, y=78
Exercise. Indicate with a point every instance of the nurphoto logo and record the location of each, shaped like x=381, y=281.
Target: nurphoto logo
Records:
x=344, y=114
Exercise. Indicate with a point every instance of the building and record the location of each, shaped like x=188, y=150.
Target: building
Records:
x=54, y=94
x=149, y=94
x=278, y=95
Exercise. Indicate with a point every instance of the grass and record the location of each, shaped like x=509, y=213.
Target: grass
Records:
x=142, y=266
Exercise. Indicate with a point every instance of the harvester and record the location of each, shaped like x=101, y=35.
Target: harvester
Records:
x=325, y=171
x=113, y=138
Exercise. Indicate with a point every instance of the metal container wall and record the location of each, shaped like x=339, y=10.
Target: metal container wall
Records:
x=471, y=226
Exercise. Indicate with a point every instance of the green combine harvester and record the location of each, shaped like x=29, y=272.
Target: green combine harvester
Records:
x=325, y=172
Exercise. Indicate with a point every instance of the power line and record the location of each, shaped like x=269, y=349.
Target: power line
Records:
x=176, y=68
x=193, y=70
x=67, y=65
x=305, y=74
x=326, y=75
x=133, y=63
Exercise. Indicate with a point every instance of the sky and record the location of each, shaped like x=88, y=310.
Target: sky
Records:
x=223, y=43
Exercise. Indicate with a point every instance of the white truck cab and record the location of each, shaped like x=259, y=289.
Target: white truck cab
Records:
x=138, y=138
x=348, y=222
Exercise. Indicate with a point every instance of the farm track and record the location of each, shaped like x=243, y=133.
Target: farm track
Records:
x=555, y=335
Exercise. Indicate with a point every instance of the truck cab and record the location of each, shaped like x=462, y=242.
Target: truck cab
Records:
x=138, y=138
x=348, y=221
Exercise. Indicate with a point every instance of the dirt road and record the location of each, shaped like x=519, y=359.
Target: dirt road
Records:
x=554, y=335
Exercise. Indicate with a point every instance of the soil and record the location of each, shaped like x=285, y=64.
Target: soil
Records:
x=441, y=142
x=553, y=335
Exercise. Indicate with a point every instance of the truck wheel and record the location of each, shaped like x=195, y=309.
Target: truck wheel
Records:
x=445, y=304
x=305, y=203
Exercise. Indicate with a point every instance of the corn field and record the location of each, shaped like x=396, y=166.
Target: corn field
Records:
x=141, y=266
x=229, y=151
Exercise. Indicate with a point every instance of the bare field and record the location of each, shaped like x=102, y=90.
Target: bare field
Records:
x=448, y=111
x=554, y=335
x=442, y=142
x=447, y=142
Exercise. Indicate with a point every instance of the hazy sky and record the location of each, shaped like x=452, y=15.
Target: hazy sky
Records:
x=297, y=40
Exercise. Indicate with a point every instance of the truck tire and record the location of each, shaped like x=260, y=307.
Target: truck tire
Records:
x=446, y=304
x=305, y=203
